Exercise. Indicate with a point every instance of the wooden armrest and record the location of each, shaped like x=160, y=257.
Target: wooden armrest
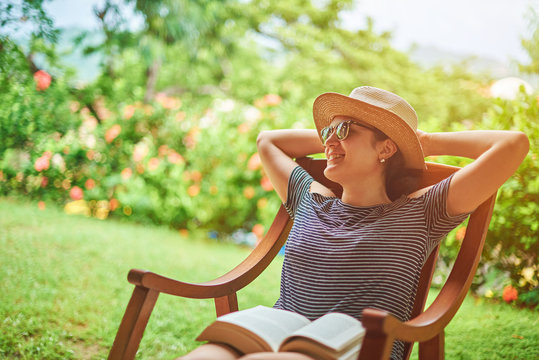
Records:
x=234, y=280
x=383, y=328
x=421, y=328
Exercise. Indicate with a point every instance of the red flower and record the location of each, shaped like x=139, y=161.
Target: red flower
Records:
x=168, y=102
x=90, y=154
x=112, y=133
x=461, y=232
x=153, y=164
x=184, y=232
x=509, y=294
x=266, y=183
x=254, y=162
x=272, y=99
x=249, y=192
x=42, y=163
x=243, y=128
x=129, y=111
x=193, y=190
x=43, y=80
x=113, y=204
x=89, y=184
x=175, y=158
x=258, y=230
x=163, y=150
x=126, y=173
x=196, y=176
x=76, y=193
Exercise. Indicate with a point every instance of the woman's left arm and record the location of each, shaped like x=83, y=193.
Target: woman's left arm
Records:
x=497, y=156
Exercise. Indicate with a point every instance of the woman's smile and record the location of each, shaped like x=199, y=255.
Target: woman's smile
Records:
x=333, y=156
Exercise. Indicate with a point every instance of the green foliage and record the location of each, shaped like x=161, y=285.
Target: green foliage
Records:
x=530, y=299
x=29, y=114
x=513, y=242
x=15, y=13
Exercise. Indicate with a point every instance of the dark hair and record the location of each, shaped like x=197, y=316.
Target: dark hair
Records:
x=399, y=179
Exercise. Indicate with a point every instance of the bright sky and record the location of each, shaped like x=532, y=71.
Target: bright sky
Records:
x=490, y=28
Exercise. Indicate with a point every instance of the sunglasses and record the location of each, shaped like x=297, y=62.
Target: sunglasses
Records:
x=341, y=130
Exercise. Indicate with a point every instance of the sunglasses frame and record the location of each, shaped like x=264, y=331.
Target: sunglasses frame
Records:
x=329, y=130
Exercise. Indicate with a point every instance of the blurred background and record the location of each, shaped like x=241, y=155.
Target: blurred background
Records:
x=148, y=111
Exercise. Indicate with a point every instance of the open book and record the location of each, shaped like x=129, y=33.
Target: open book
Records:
x=333, y=336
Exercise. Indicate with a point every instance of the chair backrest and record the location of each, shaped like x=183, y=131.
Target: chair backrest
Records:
x=466, y=263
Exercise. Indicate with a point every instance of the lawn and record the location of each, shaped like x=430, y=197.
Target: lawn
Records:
x=64, y=290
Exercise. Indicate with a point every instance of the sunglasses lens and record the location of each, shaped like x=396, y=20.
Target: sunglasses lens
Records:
x=342, y=130
x=326, y=133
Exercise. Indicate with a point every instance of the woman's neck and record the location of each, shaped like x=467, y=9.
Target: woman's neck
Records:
x=365, y=193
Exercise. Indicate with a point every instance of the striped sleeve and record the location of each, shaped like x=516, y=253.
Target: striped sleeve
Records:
x=299, y=185
x=439, y=222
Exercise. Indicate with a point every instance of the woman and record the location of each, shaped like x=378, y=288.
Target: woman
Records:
x=367, y=248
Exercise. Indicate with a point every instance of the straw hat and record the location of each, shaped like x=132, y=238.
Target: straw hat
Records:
x=379, y=108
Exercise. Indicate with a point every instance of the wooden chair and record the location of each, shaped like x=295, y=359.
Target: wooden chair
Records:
x=426, y=327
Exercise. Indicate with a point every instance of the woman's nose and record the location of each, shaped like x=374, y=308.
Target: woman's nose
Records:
x=332, y=139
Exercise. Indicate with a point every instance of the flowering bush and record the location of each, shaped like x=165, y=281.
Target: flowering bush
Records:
x=155, y=162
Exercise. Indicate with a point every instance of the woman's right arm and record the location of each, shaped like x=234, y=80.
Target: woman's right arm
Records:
x=278, y=148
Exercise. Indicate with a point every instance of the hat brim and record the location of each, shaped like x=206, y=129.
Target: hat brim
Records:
x=329, y=105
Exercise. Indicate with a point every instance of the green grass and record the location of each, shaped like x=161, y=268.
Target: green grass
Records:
x=63, y=291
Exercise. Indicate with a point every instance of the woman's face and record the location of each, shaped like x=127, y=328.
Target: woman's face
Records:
x=358, y=154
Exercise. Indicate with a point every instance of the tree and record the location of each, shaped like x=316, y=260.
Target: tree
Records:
x=187, y=25
x=18, y=15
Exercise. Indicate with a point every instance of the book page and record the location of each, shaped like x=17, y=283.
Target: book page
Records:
x=335, y=331
x=235, y=336
x=352, y=353
x=272, y=325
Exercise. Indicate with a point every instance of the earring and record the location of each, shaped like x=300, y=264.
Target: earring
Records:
x=382, y=161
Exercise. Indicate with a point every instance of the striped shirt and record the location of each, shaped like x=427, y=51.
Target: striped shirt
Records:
x=345, y=258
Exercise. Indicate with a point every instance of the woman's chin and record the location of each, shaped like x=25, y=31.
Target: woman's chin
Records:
x=331, y=173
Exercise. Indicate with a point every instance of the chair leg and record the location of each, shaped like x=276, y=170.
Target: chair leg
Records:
x=433, y=349
x=134, y=322
x=375, y=347
x=226, y=304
